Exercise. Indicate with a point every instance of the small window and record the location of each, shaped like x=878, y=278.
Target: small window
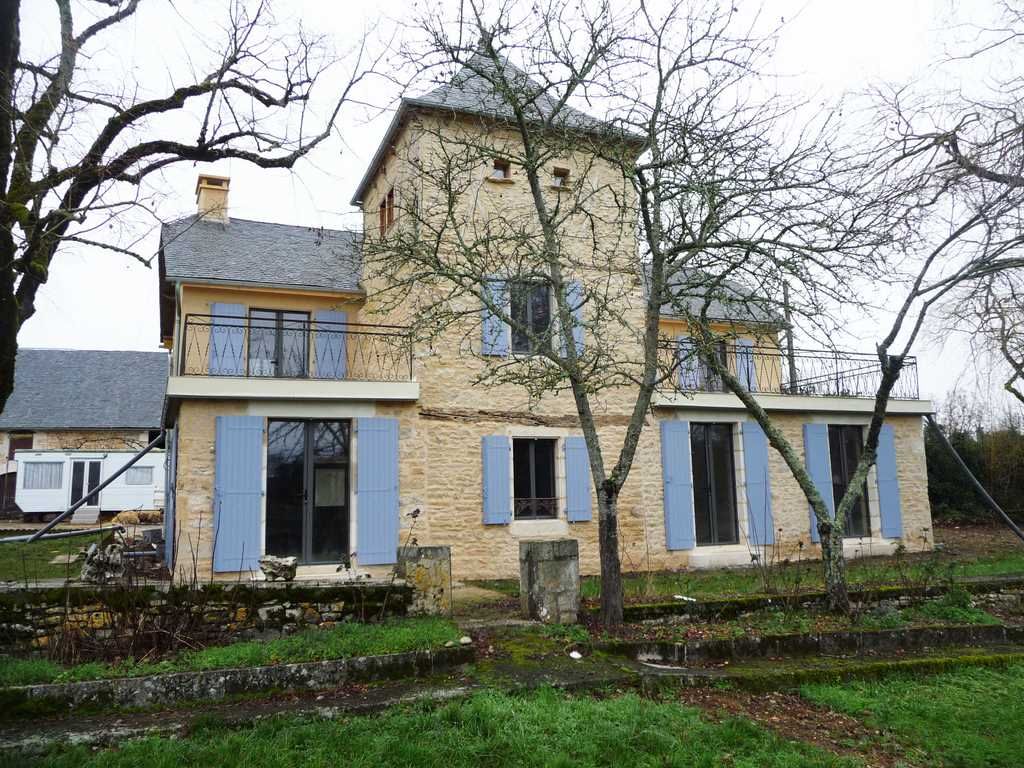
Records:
x=138, y=476
x=531, y=316
x=19, y=442
x=502, y=170
x=714, y=484
x=42, y=475
x=533, y=475
x=386, y=211
x=560, y=177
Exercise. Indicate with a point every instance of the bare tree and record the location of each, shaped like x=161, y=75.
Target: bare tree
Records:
x=73, y=152
x=713, y=171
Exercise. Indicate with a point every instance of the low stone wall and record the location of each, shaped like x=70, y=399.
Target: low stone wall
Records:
x=33, y=619
x=215, y=684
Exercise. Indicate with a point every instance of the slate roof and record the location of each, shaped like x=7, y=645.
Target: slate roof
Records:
x=730, y=300
x=86, y=389
x=257, y=252
x=471, y=92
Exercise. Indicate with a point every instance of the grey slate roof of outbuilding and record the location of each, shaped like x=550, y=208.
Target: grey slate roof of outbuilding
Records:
x=257, y=252
x=471, y=92
x=86, y=389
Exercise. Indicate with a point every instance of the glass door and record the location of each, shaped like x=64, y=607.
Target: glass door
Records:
x=308, y=490
x=844, y=446
x=85, y=477
x=278, y=343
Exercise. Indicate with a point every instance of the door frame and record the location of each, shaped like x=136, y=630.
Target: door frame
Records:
x=308, y=491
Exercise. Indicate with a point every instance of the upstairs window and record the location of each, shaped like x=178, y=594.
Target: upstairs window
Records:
x=533, y=475
x=531, y=316
x=19, y=441
x=502, y=170
x=560, y=178
x=386, y=211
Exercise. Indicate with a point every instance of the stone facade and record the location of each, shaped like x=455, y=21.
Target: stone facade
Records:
x=440, y=434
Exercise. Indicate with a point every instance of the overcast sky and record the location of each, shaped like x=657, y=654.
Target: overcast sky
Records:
x=100, y=300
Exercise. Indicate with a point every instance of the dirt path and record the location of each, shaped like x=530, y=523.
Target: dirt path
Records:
x=795, y=719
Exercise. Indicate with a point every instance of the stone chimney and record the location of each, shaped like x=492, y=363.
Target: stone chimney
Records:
x=212, y=197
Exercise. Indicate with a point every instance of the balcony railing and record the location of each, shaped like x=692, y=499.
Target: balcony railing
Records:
x=770, y=370
x=287, y=348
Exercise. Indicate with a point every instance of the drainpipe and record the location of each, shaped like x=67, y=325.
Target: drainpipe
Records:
x=790, y=353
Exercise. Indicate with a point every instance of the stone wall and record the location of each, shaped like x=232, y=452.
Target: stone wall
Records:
x=34, y=619
x=428, y=572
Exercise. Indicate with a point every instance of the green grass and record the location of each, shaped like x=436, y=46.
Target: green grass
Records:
x=493, y=729
x=28, y=563
x=967, y=718
x=341, y=641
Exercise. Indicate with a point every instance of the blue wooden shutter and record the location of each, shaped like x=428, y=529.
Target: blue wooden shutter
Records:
x=170, y=482
x=329, y=344
x=888, y=485
x=745, y=369
x=574, y=300
x=497, y=479
x=496, y=333
x=689, y=365
x=577, y=480
x=760, y=524
x=238, y=493
x=227, y=340
x=819, y=467
x=376, y=491
x=677, y=476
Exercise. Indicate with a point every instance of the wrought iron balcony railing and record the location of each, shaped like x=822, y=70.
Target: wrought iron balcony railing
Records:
x=770, y=370
x=279, y=345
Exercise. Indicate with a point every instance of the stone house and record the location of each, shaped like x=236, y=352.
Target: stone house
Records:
x=80, y=400
x=305, y=422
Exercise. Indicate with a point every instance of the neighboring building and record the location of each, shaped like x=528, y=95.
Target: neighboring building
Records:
x=80, y=400
x=302, y=428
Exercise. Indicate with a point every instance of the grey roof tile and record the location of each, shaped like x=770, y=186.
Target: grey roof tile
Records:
x=245, y=251
x=86, y=389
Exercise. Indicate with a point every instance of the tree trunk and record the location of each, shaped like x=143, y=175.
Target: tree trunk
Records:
x=10, y=321
x=834, y=563
x=611, y=570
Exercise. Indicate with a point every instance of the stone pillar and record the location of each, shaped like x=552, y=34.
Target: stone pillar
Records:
x=549, y=580
x=428, y=570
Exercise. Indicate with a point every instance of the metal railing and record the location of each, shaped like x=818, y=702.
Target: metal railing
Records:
x=286, y=348
x=535, y=509
x=770, y=370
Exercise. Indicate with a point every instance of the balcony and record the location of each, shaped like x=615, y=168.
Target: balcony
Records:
x=768, y=370
x=278, y=355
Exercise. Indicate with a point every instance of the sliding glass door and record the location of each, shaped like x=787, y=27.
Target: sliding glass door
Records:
x=308, y=490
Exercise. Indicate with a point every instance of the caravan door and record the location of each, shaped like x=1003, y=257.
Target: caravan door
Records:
x=85, y=476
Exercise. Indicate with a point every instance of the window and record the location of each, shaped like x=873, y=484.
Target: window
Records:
x=712, y=381
x=138, y=476
x=844, y=447
x=531, y=316
x=714, y=484
x=560, y=177
x=278, y=343
x=533, y=476
x=43, y=475
x=386, y=211
x=502, y=170
x=19, y=442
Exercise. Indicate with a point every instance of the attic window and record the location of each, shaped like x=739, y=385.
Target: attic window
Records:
x=386, y=211
x=560, y=177
x=502, y=170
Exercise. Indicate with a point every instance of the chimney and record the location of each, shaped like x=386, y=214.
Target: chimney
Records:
x=212, y=197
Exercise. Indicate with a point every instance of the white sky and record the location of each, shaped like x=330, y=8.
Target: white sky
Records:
x=101, y=300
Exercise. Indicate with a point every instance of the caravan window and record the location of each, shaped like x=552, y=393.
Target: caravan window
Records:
x=138, y=476
x=42, y=475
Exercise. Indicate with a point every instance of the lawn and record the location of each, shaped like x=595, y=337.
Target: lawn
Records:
x=545, y=728
x=27, y=563
x=967, y=718
x=341, y=641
